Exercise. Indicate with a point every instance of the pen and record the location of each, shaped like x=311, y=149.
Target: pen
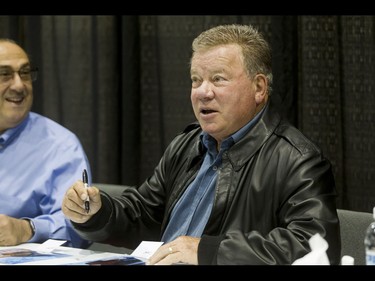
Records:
x=85, y=181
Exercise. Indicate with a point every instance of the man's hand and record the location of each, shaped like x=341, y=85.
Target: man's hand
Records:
x=73, y=205
x=182, y=250
x=14, y=231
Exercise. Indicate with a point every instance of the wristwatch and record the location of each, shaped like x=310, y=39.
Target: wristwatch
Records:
x=32, y=226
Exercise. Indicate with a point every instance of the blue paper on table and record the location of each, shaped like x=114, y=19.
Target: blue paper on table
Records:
x=125, y=260
x=20, y=255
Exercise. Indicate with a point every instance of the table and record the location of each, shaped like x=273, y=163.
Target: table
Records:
x=36, y=254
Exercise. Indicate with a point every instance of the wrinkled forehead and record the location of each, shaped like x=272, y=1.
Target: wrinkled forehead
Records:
x=12, y=55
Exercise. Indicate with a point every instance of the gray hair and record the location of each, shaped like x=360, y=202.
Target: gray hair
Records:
x=256, y=51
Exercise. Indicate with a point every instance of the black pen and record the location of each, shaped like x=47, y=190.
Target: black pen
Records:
x=86, y=183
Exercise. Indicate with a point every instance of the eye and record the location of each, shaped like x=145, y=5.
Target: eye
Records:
x=218, y=78
x=195, y=81
x=6, y=73
x=24, y=71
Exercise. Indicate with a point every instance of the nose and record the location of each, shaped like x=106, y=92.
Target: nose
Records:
x=205, y=91
x=16, y=83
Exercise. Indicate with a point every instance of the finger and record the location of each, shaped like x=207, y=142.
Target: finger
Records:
x=94, y=194
x=74, y=212
x=73, y=202
x=162, y=253
x=81, y=190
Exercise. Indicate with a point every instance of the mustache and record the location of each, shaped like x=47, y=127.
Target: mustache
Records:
x=15, y=95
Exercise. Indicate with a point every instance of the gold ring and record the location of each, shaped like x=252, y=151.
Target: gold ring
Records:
x=170, y=250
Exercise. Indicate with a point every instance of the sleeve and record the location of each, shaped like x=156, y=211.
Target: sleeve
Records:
x=66, y=161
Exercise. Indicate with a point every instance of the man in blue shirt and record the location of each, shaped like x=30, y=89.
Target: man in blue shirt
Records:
x=39, y=160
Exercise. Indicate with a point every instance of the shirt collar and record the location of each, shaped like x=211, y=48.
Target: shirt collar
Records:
x=10, y=134
x=210, y=142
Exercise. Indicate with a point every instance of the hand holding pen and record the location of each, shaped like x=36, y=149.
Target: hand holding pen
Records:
x=86, y=183
x=75, y=194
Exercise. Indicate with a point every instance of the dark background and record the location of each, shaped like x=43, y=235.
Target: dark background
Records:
x=122, y=84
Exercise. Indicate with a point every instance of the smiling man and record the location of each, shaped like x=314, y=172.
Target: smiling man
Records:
x=39, y=159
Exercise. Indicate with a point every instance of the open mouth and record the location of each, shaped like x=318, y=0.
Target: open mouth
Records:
x=207, y=111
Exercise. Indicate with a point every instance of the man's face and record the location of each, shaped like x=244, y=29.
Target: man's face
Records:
x=16, y=94
x=223, y=96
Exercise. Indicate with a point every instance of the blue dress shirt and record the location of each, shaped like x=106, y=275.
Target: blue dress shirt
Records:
x=190, y=215
x=39, y=161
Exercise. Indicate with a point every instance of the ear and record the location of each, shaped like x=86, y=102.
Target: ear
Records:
x=261, y=88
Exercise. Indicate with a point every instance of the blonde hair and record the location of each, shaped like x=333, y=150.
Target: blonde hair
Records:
x=256, y=51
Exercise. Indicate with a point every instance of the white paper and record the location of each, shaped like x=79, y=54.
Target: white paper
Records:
x=52, y=253
x=31, y=254
x=50, y=245
x=146, y=249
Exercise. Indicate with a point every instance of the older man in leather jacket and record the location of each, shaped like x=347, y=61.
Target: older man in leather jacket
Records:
x=241, y=186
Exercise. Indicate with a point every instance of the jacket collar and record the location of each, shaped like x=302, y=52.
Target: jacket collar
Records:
x=251, y=141
x=255, y=138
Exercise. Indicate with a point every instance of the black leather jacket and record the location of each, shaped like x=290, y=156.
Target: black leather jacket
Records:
x=274, y=191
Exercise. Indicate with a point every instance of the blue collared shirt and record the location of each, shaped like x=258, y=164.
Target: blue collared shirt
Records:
x=191, y=213
x=39, y=161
